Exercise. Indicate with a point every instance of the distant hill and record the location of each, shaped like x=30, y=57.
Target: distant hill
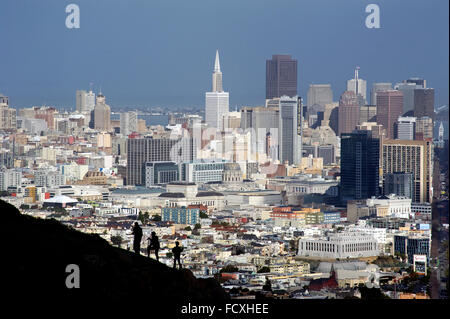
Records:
x=35, y=253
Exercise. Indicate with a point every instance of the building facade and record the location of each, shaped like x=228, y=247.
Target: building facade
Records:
x=359, y=165
x=414, y=157
x=378, y=87
x=128, y=123
x=160, y=173
x=201, y=172
x=102, y=114
x=142, y=150
x=320, y=94
x=339, y=245
x=424, y=102
x=397, y=183
x=348, y=112
x=181, y=215
x=389, y=109
x=289, y=141
x=405, y=128
x=281, y=76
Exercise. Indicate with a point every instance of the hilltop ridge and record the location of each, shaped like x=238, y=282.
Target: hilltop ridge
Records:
x=37, y=251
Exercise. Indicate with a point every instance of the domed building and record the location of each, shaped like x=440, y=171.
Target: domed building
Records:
x=232, y=173
x=93, y=178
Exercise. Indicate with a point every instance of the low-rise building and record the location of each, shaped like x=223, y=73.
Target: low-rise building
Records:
x=339, y=245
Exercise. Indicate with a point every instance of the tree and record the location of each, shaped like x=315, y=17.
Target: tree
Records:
x=156, y=218
x=263, y=270
x=293, y=245
x=188, y=228
x=116, y=240
x=203, y=214
x=197, y=226
x=268, y=285
x=144, y=218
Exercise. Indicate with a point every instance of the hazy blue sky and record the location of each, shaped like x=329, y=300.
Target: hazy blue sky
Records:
x=161, y=52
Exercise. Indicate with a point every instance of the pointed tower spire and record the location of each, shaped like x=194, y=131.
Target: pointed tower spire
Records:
x=217, y=62
x=217, y=75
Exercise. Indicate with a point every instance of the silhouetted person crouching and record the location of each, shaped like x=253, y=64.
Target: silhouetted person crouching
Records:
x=153, y=245
x=177, y=250
x=137, y=232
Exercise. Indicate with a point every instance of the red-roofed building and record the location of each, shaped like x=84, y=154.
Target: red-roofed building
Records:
x=322, y=283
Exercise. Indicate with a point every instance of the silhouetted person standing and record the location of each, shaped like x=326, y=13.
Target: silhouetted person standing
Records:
x=177, y=250
x=137, y=232
x=153, y=245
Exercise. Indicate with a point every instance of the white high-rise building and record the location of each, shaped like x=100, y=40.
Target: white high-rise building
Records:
x=358, y=86
x=405, y=128
x=85, y=101
x=9, y=177
x=128, y=123
x=216, y=101
x=90, y=101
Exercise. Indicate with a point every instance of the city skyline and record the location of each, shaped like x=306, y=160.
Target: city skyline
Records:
x=146, y=76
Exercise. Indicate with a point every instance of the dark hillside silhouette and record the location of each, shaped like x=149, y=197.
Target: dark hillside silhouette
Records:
x=35, y=254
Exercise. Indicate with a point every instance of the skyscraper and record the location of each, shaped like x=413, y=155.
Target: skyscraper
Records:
x=262, y=121
x=418, y=81
x=359, y=165
x=7, y=117
x=424, y=103
x=289, y=136
x=102, y=114
x=319, y=94
x=367, y=113
x=358, y=86
x=348, y=112
x=405, y=128
x=128, y=122
x=424, y=128
x=90, y=101
x=142, y=150
x=216, y=101
x=414, y=157
x=408, y=96
x=281, y=76
x=85, y=101
x=378, y=87
x=389, y=109
x=397, y=183
x=80, y=100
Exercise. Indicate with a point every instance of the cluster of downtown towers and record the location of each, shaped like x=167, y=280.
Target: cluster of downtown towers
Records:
x=372, y=134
